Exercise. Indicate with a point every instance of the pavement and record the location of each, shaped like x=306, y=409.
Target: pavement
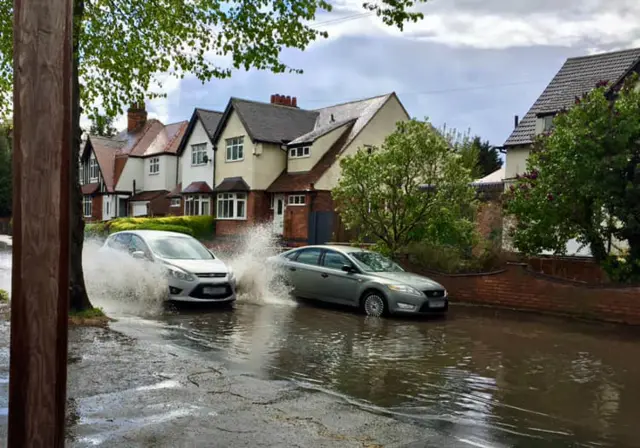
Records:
x=143, y=392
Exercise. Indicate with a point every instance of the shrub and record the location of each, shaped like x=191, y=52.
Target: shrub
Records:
x=201, y=227
x=4, y=296
x=452, y=259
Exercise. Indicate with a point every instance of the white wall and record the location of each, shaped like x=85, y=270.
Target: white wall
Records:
x=165, y=179
x=516, y=161
x=133, y=170
x=199, y=173
x=109, y=207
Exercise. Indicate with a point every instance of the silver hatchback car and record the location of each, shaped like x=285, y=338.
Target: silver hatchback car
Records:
x=194, y=273
x=360, y=278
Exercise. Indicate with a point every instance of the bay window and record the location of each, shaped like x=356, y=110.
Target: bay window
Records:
x=154, y=165
x=87, y=206
x=232, y=206
x=197, y=205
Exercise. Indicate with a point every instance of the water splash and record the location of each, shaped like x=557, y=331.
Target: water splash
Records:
x=257, y=281
x=122, y=285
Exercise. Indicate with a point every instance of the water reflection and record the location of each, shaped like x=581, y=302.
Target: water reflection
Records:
x=480, y=376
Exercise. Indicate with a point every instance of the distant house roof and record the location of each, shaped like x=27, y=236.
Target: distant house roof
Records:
x=210, y=120
x=270, y=123
x=232, y=184
x=197, y=187
x=576, y=77
x=175, y=193
x=495, y=177
x=105, y=150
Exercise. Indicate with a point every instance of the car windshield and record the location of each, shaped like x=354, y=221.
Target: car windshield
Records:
x=374, y=262
x=179, y=248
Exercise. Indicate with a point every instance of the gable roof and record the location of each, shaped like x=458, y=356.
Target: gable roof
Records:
x=576, y=77
x=165, y=141
x=210, y=120
x=105, y=150
x=353, y=116
x=266, y=122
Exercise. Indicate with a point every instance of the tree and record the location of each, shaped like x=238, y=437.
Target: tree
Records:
x=6, y=179
x=121, y=47
x=583, y=182
x=103, y=126
x=488, y=157
x=413, y=188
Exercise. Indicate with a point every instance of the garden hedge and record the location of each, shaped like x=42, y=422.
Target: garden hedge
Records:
x=201, y=227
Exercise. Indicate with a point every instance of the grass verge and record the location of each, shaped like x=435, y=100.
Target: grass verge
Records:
x=93, y=317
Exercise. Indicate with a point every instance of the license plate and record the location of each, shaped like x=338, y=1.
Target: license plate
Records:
x=436, y=304
x=214, y=290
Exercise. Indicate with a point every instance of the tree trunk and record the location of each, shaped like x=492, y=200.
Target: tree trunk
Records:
x=78, y=298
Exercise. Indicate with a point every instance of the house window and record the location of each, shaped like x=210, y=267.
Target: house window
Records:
x=87, y=206
x=295, y=153
x=81, y=173
x=296, y=199
x=107, y=206
x=197, y=205
x=235, y=149
x=271, y=201
x=547, y=123
x=94, y=170
x=199, y=154
x=154, y=165
x=175, y=202
x=232, y=206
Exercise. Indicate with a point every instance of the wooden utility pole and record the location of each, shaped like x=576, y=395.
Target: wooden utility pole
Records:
x=41, y=236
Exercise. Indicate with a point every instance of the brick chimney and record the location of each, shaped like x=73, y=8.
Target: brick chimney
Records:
x=283, y=100
x=136, y=117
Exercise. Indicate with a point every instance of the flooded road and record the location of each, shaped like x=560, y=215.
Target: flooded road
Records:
x=490, y=378
x=477, y=378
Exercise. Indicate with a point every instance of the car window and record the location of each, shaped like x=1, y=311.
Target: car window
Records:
x=292, y=255
x=120, y=241
x=180, y=248
x=309, y=256
x=335, y=260
x=137, y=245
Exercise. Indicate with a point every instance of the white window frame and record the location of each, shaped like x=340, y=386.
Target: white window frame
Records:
x=93, y=169
x=175, y=202
x=194, y=205
x=234, y=144
x=198, y=154
x=272, y=201
x=547, y=123
x=87, y=205
x=154, y=166
x=297, y=199
x=81, y=173
x=300, y=152
x=232, y=201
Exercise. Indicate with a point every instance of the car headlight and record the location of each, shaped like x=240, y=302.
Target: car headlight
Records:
x=232, y=276
x=180, y=274
x=405, y=289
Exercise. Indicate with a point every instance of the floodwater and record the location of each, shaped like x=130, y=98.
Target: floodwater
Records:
x=496, y=379
x=478, y=377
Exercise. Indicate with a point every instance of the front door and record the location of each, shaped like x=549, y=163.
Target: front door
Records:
x=278, y=214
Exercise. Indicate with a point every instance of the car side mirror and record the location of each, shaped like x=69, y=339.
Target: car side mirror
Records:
x=138, y=255
x=347, y=268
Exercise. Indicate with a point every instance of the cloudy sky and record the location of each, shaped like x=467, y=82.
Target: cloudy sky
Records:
x=472, y=64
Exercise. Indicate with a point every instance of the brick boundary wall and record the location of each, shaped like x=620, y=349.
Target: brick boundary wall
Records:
x=518, y=287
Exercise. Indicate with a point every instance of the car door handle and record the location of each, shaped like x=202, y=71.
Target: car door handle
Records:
x=292, y=269
x=325, y=275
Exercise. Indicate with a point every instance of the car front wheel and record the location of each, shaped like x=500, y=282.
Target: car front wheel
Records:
x=374, y=304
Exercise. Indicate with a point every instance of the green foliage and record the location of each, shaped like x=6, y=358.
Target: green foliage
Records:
x=450, y=259
x=103, y=126
x=201, y=227
x=381, y=194
x=92, y=313
x=126, y=48
x=6, y=172
x=4, y=296
x=583, y=182
x=488, y=157
x=462, y=145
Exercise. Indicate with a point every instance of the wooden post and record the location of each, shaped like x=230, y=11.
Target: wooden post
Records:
x=40, y=277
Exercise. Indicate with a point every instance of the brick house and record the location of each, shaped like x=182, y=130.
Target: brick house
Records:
x=277, y=163
x=577, y=76
x=132, y=173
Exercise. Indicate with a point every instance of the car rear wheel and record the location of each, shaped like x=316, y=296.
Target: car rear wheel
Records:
x=374, y=304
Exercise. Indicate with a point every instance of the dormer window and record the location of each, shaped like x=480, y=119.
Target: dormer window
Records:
x=296, y=153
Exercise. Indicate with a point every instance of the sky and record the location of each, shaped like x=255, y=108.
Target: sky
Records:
x=470, y=64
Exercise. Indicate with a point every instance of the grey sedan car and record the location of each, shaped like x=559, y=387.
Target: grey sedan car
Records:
x=360, y=278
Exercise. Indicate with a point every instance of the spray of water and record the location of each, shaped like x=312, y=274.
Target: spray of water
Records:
x=122, y=285
x=258, y=282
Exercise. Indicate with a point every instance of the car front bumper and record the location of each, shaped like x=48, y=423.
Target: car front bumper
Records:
x=210, y=290
x=401, y=303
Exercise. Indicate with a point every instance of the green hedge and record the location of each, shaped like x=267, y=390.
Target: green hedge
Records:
x=4, y=296
x=197, y=226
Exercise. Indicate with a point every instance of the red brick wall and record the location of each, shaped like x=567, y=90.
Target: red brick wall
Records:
x=159, y=206
x=570, y=268
x=257, y=212
x=96, y=209
x=296, y=217
x=179, y=211
x=517, y=287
